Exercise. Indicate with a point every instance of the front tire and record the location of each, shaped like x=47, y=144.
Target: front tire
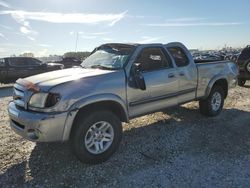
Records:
x=95, y=136
x=212, y=106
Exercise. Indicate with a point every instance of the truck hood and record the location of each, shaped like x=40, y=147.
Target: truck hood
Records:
x=53, y=78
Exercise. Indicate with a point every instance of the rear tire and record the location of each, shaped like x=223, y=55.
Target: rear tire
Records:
x=87, y=135
x=248, y=67
x=241, y=82
x=213, y=104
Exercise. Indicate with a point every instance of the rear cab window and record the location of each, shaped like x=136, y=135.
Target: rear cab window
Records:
x=152, y=59
x=181, y=59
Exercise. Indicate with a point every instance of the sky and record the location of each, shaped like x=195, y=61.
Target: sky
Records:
x=56, y=26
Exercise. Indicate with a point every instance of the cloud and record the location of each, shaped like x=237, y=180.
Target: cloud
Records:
x=88, y=37
x=93, y=35
x=28, y=33
x=185, y=19
x=4, y=4
x=194, y=24
x=55, y=17
x=107, y=39
x=3, y=36
x=31, y=38
x=14, y=45
x=147, y=39
x=2, y=50
x=25, y=30
x=100, y=33
x=42, y=53
x=141, y=16
x=6, y=27
x=25, y=27
x=44, y=45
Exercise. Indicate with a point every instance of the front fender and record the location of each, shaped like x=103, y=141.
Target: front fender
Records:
x=74, y=109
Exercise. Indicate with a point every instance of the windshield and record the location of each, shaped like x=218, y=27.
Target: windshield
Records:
x=107, y=58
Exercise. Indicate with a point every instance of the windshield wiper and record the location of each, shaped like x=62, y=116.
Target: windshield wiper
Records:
x=101, y=67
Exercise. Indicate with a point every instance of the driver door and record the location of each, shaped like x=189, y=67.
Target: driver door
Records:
x=161, y=81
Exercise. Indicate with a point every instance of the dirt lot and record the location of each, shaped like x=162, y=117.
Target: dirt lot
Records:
x=177, y=147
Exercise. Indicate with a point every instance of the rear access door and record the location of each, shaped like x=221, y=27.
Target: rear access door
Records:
x=187, y=72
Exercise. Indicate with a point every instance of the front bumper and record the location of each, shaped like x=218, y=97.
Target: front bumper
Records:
x=39, y=127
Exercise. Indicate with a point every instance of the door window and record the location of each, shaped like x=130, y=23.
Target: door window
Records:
x=179, y=56
x=18, y=62
x=34, y=62
x=152, y=59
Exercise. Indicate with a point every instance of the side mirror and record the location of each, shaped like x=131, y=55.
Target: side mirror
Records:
x=139, y=79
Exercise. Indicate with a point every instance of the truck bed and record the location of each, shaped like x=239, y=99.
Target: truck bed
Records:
x=207, y=71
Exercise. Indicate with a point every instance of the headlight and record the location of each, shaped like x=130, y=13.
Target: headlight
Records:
x=43, y=100
x=38, y=100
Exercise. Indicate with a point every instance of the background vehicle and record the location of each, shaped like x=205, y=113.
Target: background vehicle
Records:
x=209, y=57
x=70, y=62
x=12, y=68
x=243, y=62
x=117, y=82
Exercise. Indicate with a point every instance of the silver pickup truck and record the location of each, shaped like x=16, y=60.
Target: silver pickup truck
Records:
x=117, y=82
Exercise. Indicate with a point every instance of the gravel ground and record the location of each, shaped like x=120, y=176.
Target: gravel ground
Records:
x=177, y=147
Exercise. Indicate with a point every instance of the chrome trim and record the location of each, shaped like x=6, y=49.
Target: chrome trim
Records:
x=19, y=87
x=19, y=103
x=13, y=112
x=18, y=93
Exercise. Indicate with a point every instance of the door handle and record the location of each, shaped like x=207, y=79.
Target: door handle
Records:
x=182, y=73
x=171, y=75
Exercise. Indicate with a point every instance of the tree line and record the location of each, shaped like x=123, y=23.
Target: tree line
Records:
x=77, y=55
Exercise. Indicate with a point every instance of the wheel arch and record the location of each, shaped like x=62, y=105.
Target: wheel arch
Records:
x=106, y=101
x=221, y=81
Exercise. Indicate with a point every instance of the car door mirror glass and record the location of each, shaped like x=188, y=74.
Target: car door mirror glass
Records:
x=137, y=67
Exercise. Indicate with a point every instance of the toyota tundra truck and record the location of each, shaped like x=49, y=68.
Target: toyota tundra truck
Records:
x=117, y=82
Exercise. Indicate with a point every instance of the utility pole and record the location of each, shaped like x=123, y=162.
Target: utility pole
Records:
x=76, y=41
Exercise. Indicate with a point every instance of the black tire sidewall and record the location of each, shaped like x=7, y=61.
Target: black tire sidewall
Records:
x=241, y=82
x=83, y=124
x=246, y=67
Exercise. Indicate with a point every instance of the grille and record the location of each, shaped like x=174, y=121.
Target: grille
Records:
x=18, y=124
x=18, y=96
